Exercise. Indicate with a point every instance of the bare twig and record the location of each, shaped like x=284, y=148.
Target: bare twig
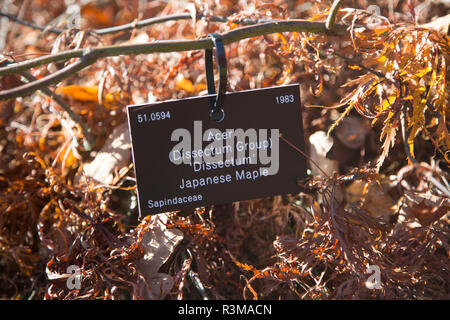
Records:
x=296, y=25
x=140, y=24
x=31, y=63
x=173, y=17
x=56, y=77
x=157, y=46
x=439, y=185
x=331, y=20
x=30, y=24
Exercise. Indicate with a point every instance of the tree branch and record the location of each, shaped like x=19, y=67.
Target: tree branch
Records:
x=296, y=25
x=36, y=62
x=30, y=24
x=174, y=17
x=330, y=23
x=140, y=24
x=65, y=55
x=157, y=46
x=48, y=80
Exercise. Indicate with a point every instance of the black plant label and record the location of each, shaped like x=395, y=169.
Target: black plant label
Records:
x=183, y=159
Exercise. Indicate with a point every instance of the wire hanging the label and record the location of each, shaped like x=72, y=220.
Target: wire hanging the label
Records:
x=217, y=112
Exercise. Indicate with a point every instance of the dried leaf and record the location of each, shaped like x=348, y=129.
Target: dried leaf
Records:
x=115, y=154
x=158, y=243
x=81, y=93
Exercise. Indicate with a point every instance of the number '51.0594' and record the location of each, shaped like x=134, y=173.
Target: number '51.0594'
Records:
x=154, y=116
